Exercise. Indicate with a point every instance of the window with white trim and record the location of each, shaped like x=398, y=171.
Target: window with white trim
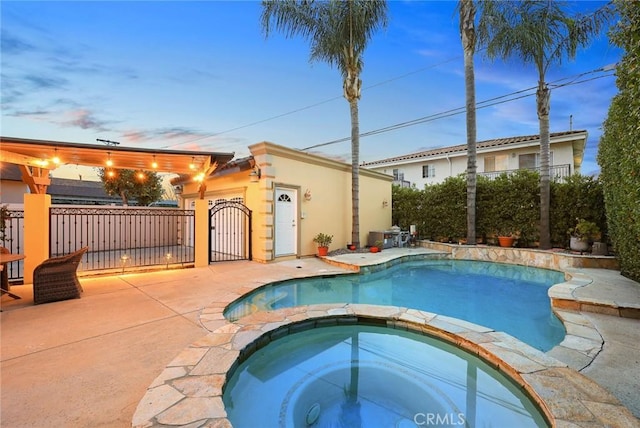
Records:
x=398, y=175
x=496, y=163
x=532, y=160
x=428, y=171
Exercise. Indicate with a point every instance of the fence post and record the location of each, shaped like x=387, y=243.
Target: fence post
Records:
x=201, y=244
x=36, y=232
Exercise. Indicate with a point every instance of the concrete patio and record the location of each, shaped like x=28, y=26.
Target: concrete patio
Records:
x=88, y=362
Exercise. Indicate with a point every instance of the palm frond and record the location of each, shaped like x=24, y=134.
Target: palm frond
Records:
x=537, y=31
x=329, y=26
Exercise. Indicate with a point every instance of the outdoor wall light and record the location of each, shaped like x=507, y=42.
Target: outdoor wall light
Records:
x=124, y=260
x=255, y=174
x=307, y=195
x=385, y=203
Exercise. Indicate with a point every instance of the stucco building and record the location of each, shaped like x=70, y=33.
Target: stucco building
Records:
x=293, y=196
x=493, y=158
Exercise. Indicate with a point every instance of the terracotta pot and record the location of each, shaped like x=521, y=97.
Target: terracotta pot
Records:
x=506, y=241
x=323, y=251
x=374, y=249
x=352, y=247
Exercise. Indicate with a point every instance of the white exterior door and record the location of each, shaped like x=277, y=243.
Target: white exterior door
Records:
x=286, y=222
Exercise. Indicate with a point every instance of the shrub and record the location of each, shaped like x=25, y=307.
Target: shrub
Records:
x=445, y=212
x=619, y=149
x=507, y=205
x=407, y=208
x=578, y=197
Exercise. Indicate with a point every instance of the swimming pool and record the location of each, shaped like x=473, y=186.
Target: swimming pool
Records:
x=507, y=298
x=372, y=376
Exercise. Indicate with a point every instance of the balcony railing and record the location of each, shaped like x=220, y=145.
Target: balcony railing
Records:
x=556, y=172
x=402, y=183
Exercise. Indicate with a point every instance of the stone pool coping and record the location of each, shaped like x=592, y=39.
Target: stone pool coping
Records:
x=189, y=391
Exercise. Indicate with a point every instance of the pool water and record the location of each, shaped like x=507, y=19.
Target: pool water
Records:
x=372, y=376
x=507, y=298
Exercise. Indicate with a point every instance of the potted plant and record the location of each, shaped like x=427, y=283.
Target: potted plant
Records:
x=582, y=234
x=377, y=246
x=505, y=237
x=323, y=240
x=4, y=215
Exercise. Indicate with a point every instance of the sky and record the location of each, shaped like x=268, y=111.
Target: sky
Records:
x=203, y=76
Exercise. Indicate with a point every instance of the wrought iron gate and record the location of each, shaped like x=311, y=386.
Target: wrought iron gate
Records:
x=230, y=232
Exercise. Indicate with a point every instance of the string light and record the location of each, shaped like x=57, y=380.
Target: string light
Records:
x=56, y=159
x=111, y=173
x=141, y=175
x=192, y=165
x=109, y=161
x=154, y=164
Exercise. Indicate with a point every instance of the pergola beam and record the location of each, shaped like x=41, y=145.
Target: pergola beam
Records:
x=20, y=159
x=36, y=178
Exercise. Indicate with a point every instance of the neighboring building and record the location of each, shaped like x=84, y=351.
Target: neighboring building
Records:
x=62, y=190
x=12, y=189
x=494, y=157
x=80, y=192
x=293, y=196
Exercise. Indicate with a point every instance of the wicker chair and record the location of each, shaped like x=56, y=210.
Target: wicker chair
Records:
x=56, y=279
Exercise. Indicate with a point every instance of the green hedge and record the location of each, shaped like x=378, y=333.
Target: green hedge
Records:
x=619, y=149
x=580, y=197
x=508, y=204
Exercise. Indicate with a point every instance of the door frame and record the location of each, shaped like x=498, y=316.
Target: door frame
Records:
x=296, y=207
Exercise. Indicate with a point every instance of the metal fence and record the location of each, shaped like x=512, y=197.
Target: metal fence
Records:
x=556, y=172
x=121, y=238
x=14, y=242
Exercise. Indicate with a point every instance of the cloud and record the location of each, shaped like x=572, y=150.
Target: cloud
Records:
x=79, y=118
x=32, y=114
x=181, y=138
x=149, y=135
x=10, y=92
x=82, y=119
x=45, y=82
x=10, y=44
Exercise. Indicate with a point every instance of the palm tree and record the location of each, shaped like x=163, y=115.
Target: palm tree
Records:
x=542, y=33
x=468, y=36
x=338, y=32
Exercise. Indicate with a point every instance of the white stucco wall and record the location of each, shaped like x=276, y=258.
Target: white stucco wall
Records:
x=456, y=164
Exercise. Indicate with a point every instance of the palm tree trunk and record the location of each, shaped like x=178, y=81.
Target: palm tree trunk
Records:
x=467, y=32
x=542, y=100
x=355, y=173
